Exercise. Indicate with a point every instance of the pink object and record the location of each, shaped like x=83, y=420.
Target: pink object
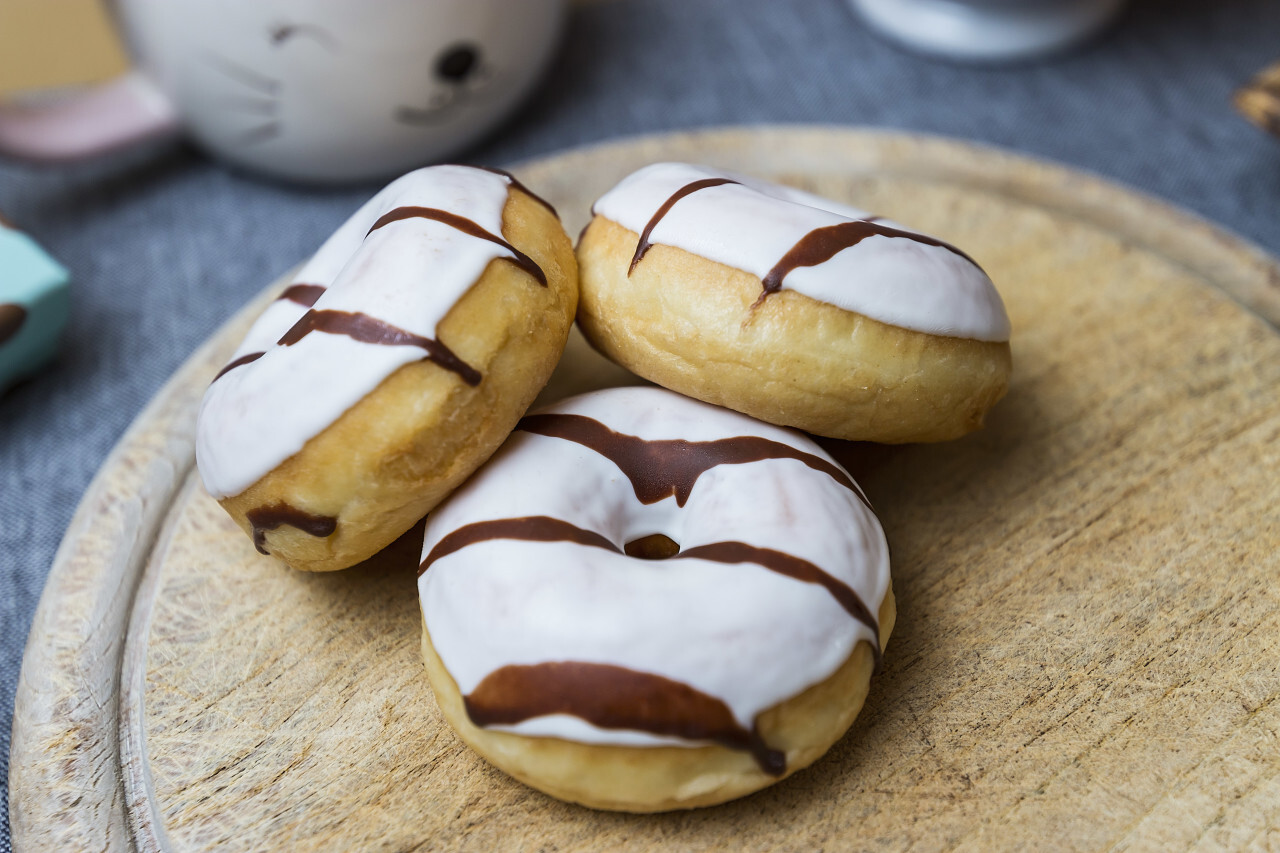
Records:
x=113, y=115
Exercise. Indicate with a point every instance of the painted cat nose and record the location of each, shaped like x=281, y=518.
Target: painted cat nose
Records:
x=456, y=63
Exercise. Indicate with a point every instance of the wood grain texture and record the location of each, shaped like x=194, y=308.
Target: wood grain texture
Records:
x=1086, y=652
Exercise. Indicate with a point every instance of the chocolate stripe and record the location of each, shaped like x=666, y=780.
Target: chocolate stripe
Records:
x=541, y=528
x=371, y=330
x=538, y=528
x=662, y=468
x=12, y=318
x=822, y=244
x=792, y=567
x=466, y=226
x=303, y=294
x=614, y=697
x=643, y=246
x=265, y=518
x=249, y=358
x=515, y=182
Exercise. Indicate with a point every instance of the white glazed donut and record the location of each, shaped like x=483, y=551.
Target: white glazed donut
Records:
x=798, y=241
x=647, y=684
x=790, y=307
x=423, y=297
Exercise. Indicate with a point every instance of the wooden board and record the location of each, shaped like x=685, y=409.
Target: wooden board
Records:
x=1088, y=647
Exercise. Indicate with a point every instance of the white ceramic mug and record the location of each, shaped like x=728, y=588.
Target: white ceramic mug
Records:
x=314, y=90
x=988, y=30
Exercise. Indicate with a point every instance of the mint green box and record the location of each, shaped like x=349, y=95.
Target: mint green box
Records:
x=34, y=305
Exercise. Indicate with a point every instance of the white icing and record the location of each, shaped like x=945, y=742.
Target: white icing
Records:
x=751, y=225
x=739, y=632
x=568, y=727
x=408, y=273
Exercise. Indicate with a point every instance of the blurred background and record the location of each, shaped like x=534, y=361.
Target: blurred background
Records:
x=163, y=242
x=53, y=44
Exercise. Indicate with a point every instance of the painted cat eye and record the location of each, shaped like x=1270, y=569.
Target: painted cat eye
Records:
x=281, y=33
x=458, y=62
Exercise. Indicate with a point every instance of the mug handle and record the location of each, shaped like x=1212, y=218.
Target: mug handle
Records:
x=104, y=118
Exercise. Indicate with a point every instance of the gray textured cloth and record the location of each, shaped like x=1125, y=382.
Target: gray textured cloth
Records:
x=165, y=245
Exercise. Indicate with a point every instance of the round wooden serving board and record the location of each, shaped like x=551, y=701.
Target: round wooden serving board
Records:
x=1087, y=653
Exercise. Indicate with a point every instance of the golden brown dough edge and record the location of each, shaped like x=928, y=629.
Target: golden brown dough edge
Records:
x=655, y=779
x=412, y=440
x=687, y=323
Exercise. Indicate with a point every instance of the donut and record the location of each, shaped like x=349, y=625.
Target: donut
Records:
x=643, y=602
x=394, y=364
x=791, y=308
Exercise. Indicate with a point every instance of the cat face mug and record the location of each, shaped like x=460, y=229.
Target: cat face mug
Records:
x=308, y=90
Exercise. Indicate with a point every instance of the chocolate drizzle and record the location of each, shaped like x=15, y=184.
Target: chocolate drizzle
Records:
x=12, y=317
x=247, y=358
x=371, y=330
x=515, y=182
x=303, y=294
x=792, y=567
x=816, y=247
x=538, y=528
x=662, y=468
x=614, y=697
x=643, y=246
x=822, y=244
x=266, y=518
x=541, y=528
x=466, y=226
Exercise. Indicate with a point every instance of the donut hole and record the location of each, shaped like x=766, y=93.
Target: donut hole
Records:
x=655, y=546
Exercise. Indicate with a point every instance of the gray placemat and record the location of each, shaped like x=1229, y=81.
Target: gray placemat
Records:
x=165, y=245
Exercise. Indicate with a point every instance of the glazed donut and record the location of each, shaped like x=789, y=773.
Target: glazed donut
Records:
x=791, y=308
x=395, y=363
x=644, y=602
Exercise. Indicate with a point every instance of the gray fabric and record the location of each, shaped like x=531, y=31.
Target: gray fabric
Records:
x=164, y=245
